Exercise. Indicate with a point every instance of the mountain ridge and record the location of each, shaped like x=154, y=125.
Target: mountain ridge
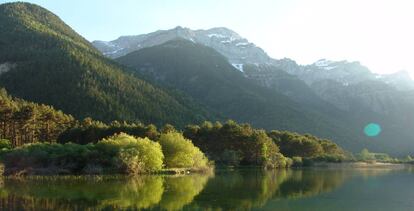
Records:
x=237, y=49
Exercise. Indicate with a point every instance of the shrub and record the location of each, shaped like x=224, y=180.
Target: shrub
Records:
x=330, y=158
x=279, y=161
x=5, y=144
x=132, y=155
x=118, y=154
x=297, y=161
x=180, y=152
x=44, y=158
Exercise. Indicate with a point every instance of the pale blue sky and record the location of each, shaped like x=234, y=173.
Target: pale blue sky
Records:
x=379, y=33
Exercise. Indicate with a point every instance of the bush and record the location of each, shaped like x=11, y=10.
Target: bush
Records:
x=44, y=158
x=279, y=161
x=297, y=161
x=180, y=152
x=5, y=144
x=118, y=154
x=132, y=155
x=330, y=158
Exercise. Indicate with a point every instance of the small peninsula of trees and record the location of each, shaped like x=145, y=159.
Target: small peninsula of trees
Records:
x=236, y=144
x=118, y=154
x=307, y=146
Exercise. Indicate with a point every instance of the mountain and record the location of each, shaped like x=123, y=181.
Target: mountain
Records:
x=242, y=54
x=207, y=76
x=239, y=51
x=344, y=72
x=347, y=93
x=400, y=80
x=227, y=42
x=43, y=60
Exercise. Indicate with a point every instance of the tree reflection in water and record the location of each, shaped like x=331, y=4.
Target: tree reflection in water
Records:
x=226, y=190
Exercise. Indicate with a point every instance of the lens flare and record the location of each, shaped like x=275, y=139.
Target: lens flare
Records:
x=372, y=130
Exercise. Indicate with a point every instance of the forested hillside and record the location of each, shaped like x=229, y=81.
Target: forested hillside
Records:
x=24, y=122
x=45, y=61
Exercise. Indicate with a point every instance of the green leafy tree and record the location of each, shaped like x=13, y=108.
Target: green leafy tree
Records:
x=366, y=155
x=180, y=152
x=132, y=155
x=234, y=144
x=307, y=146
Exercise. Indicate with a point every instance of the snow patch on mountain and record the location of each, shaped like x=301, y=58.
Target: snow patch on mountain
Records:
x=242, y=44
x=238, y=66
x=108, y=44
x=325, y=64
x=113, y=52
x=216, y=36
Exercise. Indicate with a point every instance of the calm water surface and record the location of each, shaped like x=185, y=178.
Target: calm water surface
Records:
x=309, y=189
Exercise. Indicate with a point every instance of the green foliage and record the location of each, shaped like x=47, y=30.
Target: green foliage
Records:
x=5, y=144
x=118, y=154
x=132, y=155
x=180, y=152
x=408, y=159
x=307, y=146
x=45, y=158
x=297, y=161
x=231, y=142
x=168, y=129
x=89, y=131
x=366, y=155
x=23, y=122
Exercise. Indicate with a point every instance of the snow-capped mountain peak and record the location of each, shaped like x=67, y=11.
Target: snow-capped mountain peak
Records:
x=227, y=42
x=239, y=51
x=323, y=63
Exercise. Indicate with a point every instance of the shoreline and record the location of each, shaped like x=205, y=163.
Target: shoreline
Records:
x=362, y=165
x=63, y=172
x=208, y=170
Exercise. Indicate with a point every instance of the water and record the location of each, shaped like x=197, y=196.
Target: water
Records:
x=310, y=189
